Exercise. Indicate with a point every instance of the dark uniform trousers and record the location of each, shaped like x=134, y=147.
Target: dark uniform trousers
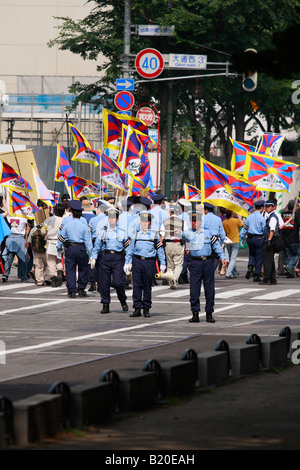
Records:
x=143, y=272
x=111, y=266
x=255, y=244
x=269, y=263
x=202, y=271
x=76, y=256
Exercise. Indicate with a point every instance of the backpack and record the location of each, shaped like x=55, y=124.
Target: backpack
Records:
x=38, y=242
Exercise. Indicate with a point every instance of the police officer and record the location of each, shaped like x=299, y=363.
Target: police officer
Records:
x=214, y=223
x=254, y=227
x=202, y=244
x=93, y=225
x=76, y=238
x=273, y=224
x=111, y=243
x=141, y=254
x=159, y=213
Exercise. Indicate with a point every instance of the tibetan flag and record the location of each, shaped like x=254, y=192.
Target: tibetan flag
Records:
x=269, y=144
x=134, y=146
x=111, y=173
x=84, y=152
x=11, y=179
x=268, y=173
x=42, y=192
x=191, y=193
x=63, y=170
x=144, y=174
x=55, y=196
x=82, y=187
x=135, y=187
x=112, y=124
x=239, y=151
x=227, y=189
x=21, y=206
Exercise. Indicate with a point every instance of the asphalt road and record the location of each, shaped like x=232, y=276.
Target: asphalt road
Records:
x=47, y=337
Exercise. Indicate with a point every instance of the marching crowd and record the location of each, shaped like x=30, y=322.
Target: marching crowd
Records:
x=138, y=240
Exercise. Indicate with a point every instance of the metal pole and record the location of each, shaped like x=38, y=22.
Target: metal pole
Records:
x=127, y=31
x=169, y=142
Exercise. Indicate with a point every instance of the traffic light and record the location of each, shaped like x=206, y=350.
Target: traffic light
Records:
x=249, y=70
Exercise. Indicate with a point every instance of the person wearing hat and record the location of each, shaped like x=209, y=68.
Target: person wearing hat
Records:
x=141, y=205
x=76, y=239
x=88, y=208
x=214, y=223
x=202, y=244
x=144, y=247
x=159, y=213
x=273, y=225
x=111, y=243
x=174, y=246
x=254, y=227
x=100, y=219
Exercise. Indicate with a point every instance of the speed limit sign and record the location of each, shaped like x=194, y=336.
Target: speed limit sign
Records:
x=149, y=63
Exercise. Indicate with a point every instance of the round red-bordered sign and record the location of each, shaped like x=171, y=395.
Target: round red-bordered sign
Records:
x=149, y=63
x=147, y=115
x=124, y=100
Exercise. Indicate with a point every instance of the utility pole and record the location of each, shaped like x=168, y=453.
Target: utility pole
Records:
x=127, y=33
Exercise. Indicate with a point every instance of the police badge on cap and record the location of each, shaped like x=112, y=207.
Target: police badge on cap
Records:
x=145, y=216
x=112, y=213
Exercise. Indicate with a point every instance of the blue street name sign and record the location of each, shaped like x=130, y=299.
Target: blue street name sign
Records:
x=125, y=84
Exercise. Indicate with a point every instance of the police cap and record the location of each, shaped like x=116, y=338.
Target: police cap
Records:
x=145, y=201
x=158, y=198
x=184, y=202
x=195, y=215
x=259, y=204
x=270, y=203
x=112, y=213
x=146, y=216
x=75, y=205
x=208, y=205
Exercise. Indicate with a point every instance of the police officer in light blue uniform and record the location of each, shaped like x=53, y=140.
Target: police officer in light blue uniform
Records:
x=202, y=244
x=111, y=242
x=254, y=227
x=93, y=225
x=125, y=217
x=142, y=205
x=214, y=223
x=159, y=213
x=142, y=251
x=75, y=236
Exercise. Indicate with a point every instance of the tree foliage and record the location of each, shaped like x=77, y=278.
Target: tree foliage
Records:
x=204, y=110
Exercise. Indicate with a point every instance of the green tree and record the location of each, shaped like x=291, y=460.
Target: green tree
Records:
x=220, y=29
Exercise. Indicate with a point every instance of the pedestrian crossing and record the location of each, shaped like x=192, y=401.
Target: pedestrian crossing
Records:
x=162, y=292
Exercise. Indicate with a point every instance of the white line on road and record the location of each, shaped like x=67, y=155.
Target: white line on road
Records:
x=277, y=295
x=104, y=333
x=30, y=307
x=235, y=293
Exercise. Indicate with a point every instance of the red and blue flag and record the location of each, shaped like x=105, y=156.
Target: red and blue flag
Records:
x=82, y=187
x=21, y=206
x=269, y=144
x=111, y=173
x=239, y=152
x=268, y=173
x=227, y=189
x=84, y=152
x=11, y=179
x=63, y=170
x=191, y=193
x=112, y=124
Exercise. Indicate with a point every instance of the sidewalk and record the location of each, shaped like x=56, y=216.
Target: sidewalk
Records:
x=260, y=412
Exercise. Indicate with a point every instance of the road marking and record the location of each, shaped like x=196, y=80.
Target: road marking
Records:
x=173, y=294
x=104, y=333
x=235, y=293
x=276, y=295
x=40, y=290
x=30, y=307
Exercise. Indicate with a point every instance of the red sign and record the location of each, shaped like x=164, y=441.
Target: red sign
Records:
x=147, y=115
x=149, y=63
x=124, y=100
